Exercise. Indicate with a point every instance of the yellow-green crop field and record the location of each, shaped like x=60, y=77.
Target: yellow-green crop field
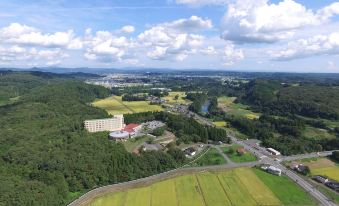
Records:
x=220, y=123
x=237, y=109
x=323, y=166
x=241, y=187
x=181, y=98
x=331, y=172
x=114, y=105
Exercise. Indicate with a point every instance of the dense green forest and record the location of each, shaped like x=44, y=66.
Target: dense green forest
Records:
x=307, y=99
x=46, y=156
x=186, y=129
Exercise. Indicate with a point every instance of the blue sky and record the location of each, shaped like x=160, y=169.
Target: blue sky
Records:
x=250, y=35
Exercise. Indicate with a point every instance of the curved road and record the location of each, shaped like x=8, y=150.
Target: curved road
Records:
x=172, y=173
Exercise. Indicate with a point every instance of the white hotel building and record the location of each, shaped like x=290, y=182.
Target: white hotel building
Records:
x=116, y=123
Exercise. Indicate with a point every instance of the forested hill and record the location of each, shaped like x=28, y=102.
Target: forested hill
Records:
x=308, y=99
x=46, y=157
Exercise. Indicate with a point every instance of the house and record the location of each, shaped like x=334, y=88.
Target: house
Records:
x=301, y=168
x=320, y=179
x=132, y=129
x=189, y=152
x=273, y=170
x=241, y=151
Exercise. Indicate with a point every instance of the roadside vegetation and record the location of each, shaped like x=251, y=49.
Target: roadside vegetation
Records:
x=211, y=157
x=235, y=156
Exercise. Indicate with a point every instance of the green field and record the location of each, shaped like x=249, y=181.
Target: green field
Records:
x=316, y=133
x=287, y=192
x=181, y=98
x=220, y=123
x=212, y=157
x=231, y=152
x=237, y=109
x=131, y=144
x=114, y=105
x=240, y=187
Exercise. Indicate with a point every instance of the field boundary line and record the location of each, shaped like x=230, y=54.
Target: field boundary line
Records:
x=121, y=102
x=229, y=199
x=176, y=191
x=202, y=193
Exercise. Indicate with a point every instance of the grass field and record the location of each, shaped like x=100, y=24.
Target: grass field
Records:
x=287, y=192
x=114, y=105
x=181, y=100
x=131, y=144
x=235, y=157
x=220, y=123
x=316, y=133
x=212, y=157
x=237, y=109
x=240, y=187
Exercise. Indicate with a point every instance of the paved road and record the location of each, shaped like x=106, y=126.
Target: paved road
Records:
x=296, y=178
x=304, y=156
x=261, y=154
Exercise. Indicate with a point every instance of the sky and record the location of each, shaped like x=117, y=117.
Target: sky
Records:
x=239, y=35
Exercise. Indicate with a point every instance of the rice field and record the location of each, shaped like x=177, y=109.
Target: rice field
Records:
x=331, y=172
x=241, y=187
x=237, y=109
x=322, y=166
x=114, y=105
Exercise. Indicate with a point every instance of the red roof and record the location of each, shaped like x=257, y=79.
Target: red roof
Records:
x=130, y=127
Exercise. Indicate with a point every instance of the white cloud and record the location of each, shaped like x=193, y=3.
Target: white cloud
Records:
x=192, y=24
x=127, y=29
x=24, y=35
x=16, y=53
x=232, y=55
x=249, y=21
x=317, y=45
x=174, y=40
x=328, y=11
x=210, y=50
x=106, y=47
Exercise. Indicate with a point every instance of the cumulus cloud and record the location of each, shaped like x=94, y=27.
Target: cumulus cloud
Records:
x=249, y=21
x=16, y=53
x=317, y=45
x=192, y=24
x=24, y=35
x=231, y=55
x=106, y=47
x=127, y=29
x=174, y=40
